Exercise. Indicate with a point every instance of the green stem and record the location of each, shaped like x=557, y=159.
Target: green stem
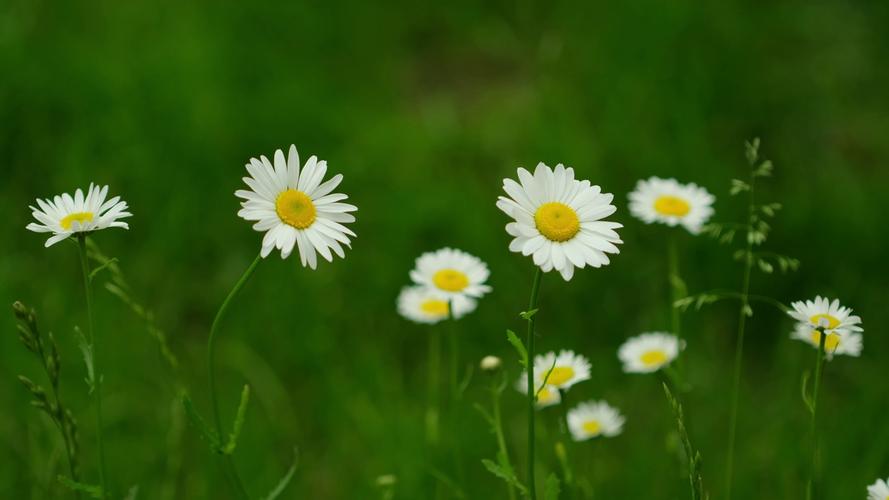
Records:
x=532, y=304
x=566, y=434
x=674, y=289
x=456, y=395
x=496, y=392
x=211, y=375
x=819, y=366
x=433, y=376
x=88, y=293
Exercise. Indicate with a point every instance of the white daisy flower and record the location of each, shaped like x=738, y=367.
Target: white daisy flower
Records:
x=422, y=304
x=671, y=203
x=594, y=418
x=546, y=396
x=562, y=371
x=65, y=215
x=559, y=220
x=879, y=490
x=830, y=316
x=850, y=344
x=457, y=275
x=295, y=208
x=649, y=352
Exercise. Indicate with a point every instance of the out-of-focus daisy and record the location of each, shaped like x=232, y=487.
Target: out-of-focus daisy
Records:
x=594, y=418
x=562, y=371
x=559, y=220
x=649, y=352
x=879, y=490
x=490, y=363
x=829, y=316
x=457, y=275
x=65, y=215
x=295, y=209
x=546, y=396
x=849, y=344
x=671, y=203
x=422, y=304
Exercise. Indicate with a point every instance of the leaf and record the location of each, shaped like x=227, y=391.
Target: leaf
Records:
x=519, y=346
x=751, y=151
x=92, y=490
x=738, y=186
x=764, y=170
x=552, y=488
x=747, y=310
x=285, y=481
x=527, y=315
x=678, y=285
x=105, y=265
x=239, y=422
x=505, y=474
x=765, y=266
x=208, y=434
x=805, y=392
x=87, y=351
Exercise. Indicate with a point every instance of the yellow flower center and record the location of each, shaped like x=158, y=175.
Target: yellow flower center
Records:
x=545, y=396
x=450, y=280
x=830, y=320
x=559, y=375
x=671, y=206
x=295, y=208
x=79, y=217
x=592, y=426
x=557, y=221
x=435, y=307
x=830, y=343
x=653, y=358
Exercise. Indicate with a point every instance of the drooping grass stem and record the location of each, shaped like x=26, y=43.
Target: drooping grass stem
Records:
x=97, y=372
x=532, y=305
x=811, y=488
x=211, y=375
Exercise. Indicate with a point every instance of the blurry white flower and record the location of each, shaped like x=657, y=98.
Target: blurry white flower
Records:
x=546, y=396
x=562, y=371
x=671, y=203
x=458, y=276
x=849, y=344
x=294, y=208
x=594, y=418
x=65, y=215
x=559, y=220
x=490, y=363
x=649, y=352
x=422, y=304
x=831, y=317
x=879, y=490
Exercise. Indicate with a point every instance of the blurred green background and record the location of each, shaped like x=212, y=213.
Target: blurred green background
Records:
x=425, y=107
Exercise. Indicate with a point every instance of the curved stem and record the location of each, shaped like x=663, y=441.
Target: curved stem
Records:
x=819, y=366
x=88, y=294
x=532, y=304
x=211, y=375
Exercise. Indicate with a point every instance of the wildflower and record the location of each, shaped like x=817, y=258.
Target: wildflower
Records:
x=559, y=220
x=823, y=315
x=668, y=202
x=490, y=363
x=546, y=396
x=294, y=208
x=649, y=352
x=562, y=371
x=65, y=215
x=593, y=419
x=849, y=344
x=458, y=276
x=422, y=304
x=879, y=490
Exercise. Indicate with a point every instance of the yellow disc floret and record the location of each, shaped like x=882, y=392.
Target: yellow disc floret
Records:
x=829, y=321
x=672, y=206
x=295, y=208
x=560, y=374
x=592, y=426
x=557, y=221
x=79, y=217
x=653, y=358
x=435, y=307
x=831, y=342
x=450, y=280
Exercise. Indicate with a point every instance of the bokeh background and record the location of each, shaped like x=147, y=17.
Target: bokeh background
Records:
x=425, y=107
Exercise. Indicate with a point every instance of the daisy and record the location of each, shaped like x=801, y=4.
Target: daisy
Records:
x=294, y=208
x=457, y=275
x=649, y=352
x=422, y=304
x=879, y=490
x=562, y=371
x=594, y=418
x=546, y=396
x=491, y=363
x=671, y=203
x=849, y=344
x=66, y=215
x=559, y=220
x=829, y=316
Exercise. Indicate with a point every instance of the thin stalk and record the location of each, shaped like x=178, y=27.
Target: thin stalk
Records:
x=739, y=344
x=819, y=367
x=673, y=278
x=532, y=305
x=211, y=375
x=455, y=393
x=566, y=434
x=496, y=392
x=88, y=294
x=434, y=375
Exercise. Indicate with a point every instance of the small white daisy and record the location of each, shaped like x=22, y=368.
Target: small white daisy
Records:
x=594, y=418
x=649, y=352
x=457, y=275
x=65, y=215
x=546, y=396
x=879, y=490
x=830, y=316
x=671, y=203
x=850, y=344
x=295, y=208
x=422, y=304
x=562, y=371
x=559, y=220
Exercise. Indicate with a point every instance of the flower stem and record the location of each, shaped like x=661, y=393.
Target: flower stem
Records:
x=456, y=394
x=211, y=375
x=674, y=281
x=434, y=375
x=564, y=452
x=496, y=392
x=532, y=304
x=88, y=294
x=819, y=367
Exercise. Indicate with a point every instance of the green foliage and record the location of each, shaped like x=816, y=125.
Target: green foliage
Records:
x=91, y=490
x=241, y=414
x=695, y=477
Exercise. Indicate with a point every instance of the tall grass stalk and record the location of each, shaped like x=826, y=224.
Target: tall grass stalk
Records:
x=434, y=386
x=530, y=315
x=812, y=486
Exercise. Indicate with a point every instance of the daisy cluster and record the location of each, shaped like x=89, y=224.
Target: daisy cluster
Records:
x=823, y=320
x=447, y=283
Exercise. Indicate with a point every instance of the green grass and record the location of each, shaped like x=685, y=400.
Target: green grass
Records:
x=424, y=109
